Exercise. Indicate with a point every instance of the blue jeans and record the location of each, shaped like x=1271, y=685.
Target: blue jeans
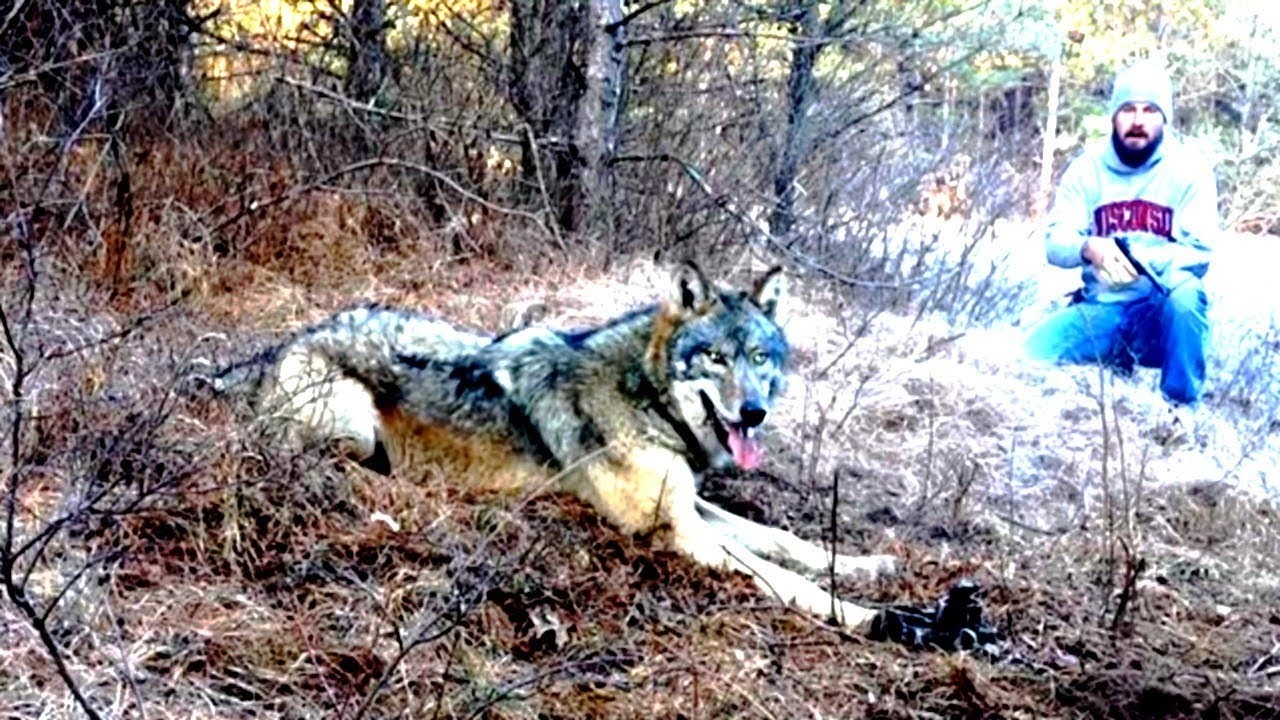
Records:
x=1169, y=332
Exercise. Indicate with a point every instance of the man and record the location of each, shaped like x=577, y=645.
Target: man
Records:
x=1137, y=213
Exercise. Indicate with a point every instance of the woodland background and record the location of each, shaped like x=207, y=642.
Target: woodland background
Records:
x=181, y=183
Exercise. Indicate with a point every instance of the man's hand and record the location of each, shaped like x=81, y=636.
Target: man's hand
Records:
x=1113, y=267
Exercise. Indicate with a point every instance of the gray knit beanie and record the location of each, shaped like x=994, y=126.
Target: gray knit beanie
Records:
x=1143, y=82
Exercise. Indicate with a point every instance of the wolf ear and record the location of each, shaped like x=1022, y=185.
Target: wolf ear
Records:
x=693, y=291
x=768, y=290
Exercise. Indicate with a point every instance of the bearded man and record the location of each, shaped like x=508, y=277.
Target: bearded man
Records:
x=1138, y=214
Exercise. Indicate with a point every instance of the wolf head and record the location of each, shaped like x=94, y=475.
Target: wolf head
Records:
x=724, y=357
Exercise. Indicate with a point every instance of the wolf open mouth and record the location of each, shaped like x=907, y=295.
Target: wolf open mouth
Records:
x=737, y=438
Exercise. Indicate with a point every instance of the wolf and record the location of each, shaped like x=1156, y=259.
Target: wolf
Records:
x=626, y=416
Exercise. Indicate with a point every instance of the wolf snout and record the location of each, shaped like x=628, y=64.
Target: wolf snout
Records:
x=751, y=415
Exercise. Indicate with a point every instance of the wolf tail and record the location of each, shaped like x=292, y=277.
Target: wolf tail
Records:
x=243, y=377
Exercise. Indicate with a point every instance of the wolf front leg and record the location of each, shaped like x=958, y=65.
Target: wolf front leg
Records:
x=703, y=541
x=644, y=488
x=778, y=543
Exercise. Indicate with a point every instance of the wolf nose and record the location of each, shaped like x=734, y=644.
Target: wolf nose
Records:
x=752, y=415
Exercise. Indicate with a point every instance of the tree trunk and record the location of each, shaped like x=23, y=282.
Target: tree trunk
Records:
x=1044, y=187
x=546, y=82
x=367, y=52
x=800, y=91
x=602, y=108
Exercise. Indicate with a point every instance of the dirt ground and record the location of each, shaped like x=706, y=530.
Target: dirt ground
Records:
x=1129, y=578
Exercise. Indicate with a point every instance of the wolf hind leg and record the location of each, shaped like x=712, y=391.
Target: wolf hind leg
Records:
x=326, y=407
x=776, y=542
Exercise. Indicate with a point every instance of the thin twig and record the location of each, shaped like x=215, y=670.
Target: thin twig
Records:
x=831, y=565
x=757, y=228
x=542, y=189
x=299, y=190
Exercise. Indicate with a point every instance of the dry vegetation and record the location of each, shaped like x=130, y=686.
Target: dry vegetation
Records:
x=164, y=556
x=192, y=566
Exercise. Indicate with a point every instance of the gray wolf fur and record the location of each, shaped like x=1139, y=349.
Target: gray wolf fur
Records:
x=625, y=415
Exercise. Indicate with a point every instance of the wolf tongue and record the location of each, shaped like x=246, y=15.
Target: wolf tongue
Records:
x=747, y=453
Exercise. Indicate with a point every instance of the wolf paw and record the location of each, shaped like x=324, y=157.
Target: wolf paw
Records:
x=954, y=623
x=868, y=566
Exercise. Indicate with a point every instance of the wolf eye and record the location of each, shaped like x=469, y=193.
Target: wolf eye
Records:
x=759, y=357
x=715, y=357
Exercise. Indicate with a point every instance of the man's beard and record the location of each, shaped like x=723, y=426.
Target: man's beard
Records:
x=1135, y=158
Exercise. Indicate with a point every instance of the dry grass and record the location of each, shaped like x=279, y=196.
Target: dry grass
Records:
x=263, y=583
x=201, y=569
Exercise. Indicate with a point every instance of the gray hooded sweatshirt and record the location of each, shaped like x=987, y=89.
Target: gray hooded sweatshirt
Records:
x=1167, y=209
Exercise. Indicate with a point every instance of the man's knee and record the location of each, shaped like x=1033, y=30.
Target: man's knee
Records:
x=1083, y=333
x=1186, y=331
x=1188, y=299
x=1052, y=338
